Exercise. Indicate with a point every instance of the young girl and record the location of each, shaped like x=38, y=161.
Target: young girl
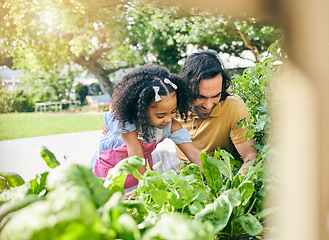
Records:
x=143, y=107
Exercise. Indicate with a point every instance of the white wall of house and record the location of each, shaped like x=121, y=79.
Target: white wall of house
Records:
x=9, y=78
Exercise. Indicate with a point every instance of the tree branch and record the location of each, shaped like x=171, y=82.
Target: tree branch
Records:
x=253, y=49
x=99, y=53
x=112, y=70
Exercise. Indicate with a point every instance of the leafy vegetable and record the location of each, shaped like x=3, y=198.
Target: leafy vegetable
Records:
x=10, y=180
x=250, y=224
x=49, y=157
x=218, y=213
x=212, y=174
x=116, y=177
x=179, y=226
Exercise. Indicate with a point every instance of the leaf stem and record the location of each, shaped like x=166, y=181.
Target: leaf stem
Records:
x=252, y=205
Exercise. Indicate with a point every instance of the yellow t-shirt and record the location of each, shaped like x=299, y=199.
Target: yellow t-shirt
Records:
x=220, y=129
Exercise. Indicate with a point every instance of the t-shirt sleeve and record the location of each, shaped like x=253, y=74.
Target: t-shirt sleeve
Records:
x=181, y=136
x=238, y=134
x=115, y=127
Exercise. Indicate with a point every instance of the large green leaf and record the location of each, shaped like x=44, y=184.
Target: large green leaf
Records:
x=234, y=196
x=125, y=167
x=246, y=189
x=267, y=211
x=65, y=207
x=179, y=226
x=212, y=174
x=195, y=171
x=237, y=181
x=75, y=175
x=159, y=196
x=127, y=228
x=250, y=224
x=48, y=157
x=250, y=134
x=176, y=201
x=184, y=189
x=38, y=184
x=195, y=207
x=116, y=218
x=218, y=213
x=168, y=176
x=225, y=165
x=11, y=179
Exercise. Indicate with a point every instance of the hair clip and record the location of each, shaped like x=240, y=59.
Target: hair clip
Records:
x=157, y=97
x=167, y=81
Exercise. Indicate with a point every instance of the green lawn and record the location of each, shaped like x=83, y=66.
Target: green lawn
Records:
x=23, y=125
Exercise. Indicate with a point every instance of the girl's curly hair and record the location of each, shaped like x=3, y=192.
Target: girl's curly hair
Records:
x=134, y=94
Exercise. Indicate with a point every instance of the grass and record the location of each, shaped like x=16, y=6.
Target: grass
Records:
x=23, y=125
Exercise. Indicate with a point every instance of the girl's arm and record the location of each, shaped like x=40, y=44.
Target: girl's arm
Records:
x=134, y=147
x=191, y=152
x=189, y=149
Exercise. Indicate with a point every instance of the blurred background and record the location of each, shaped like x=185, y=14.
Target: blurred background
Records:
x=66, y=56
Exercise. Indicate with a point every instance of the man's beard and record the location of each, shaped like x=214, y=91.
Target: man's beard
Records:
x=200, y=114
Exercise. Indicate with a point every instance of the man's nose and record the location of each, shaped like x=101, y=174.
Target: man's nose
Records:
x=208, y=103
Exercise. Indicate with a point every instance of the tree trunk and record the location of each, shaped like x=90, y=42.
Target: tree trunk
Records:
x=98, y=71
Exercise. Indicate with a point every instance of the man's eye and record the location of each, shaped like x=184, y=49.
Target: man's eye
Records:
x=160, y=117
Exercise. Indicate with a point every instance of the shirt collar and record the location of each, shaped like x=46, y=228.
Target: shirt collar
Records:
x=215, y=112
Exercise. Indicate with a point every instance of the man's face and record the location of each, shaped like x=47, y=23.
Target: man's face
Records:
x=209, y=95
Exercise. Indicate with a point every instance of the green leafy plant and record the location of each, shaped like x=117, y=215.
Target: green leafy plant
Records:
x=74, y=204
x=16, y=101
x=255, y=87
x=69, y=202
x=212, y=204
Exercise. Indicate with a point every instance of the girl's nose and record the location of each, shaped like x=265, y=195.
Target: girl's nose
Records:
x=168, y=118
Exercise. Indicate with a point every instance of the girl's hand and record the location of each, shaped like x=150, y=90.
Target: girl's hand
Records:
x=192, y=153
x=130, y=194
x=104, y=129
x=189, y=149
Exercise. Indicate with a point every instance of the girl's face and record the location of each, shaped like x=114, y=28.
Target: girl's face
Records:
x=161, y=113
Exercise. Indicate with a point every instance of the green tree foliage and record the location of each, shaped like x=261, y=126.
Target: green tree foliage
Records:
x=166, y=33
x=56, y=33
x=103, y=36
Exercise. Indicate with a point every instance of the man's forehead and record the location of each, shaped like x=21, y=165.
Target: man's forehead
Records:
x=211, y=83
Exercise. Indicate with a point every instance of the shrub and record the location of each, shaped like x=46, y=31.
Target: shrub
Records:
x=81, y=92
x=254, y=86
x=15, y=101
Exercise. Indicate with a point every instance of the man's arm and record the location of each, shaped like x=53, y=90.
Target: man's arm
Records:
x=247, y=152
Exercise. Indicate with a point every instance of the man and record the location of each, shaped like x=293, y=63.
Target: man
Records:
x=215, y=112
x=213, y=122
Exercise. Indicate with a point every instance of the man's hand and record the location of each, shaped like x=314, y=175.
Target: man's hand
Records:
x=104, y=129
x=247, y=152
x=242, y=170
